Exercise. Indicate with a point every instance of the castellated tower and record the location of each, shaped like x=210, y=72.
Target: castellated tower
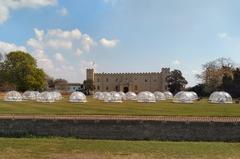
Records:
x=90, y=74
x=165, y=72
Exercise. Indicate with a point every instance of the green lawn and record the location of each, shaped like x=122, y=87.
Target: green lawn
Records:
x=68, y=148
x=201, y=108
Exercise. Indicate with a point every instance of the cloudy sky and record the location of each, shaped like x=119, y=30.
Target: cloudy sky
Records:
x=68, y=36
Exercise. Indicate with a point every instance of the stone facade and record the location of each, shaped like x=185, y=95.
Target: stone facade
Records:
x=134, y=82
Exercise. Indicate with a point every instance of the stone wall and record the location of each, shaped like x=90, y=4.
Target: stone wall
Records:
x=123, y=129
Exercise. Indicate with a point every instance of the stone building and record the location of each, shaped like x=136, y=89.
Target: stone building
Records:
x=135, y=82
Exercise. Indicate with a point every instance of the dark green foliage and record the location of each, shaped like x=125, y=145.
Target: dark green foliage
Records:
x=20, y=69
x=200, y=90
x=88, y=85
x=176, y=81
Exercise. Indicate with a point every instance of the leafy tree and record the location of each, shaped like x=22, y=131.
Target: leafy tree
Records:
x=61, y=84
x=176, y=81
x=88, y=85
x=6, y=86
x=20, y=68
x=199, y=89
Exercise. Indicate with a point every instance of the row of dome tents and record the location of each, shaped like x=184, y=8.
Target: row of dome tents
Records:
x=49, y=97
x=148, y=97
x=143, y=97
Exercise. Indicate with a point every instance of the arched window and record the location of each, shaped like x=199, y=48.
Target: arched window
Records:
x=98, y=88
x=107, y=88
x=106, y=79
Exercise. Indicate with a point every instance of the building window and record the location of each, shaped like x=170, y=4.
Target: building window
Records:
x=116, y=88
x=106, y=79
x=145, y=80
x=135, y=87
x=107, y=88
x=98, y=88
x=116, y=80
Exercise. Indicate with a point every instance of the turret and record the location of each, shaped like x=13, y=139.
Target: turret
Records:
x=90, y=74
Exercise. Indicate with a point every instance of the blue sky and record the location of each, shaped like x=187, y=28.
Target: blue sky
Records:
x=66, y=37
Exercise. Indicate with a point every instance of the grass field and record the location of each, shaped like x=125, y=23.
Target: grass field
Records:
x=94, y=107
x=68, y=148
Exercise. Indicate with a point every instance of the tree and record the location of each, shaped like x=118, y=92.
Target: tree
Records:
x=176, y=82
x=199, y=89
x=61, y=84
x=20, y=68
x=213, y=73
x=88, y=85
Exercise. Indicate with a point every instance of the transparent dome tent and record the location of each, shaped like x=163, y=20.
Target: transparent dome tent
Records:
x=57, y=95
x=131, y=96
x=97, y=94
x=146, y=97
x=220, y=97
x=168, y=95
x=100, y=96
x=159, y=96
x=13, y=96
x=30, y=95
x=123, y=95
x=77, y=97
x=46, y=97
x=184, y=97
x=113, y=97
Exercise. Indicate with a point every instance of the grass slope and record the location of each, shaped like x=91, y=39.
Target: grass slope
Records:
x=67, y=148
x=201, y=108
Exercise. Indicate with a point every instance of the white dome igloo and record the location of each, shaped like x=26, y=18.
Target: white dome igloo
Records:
x=146, y=97
x=113, y=97
x=168, y=95
x=123, y=95
x=77, y=97
x=184, y=97
x=13, y=96
x=29, y=95
x=57, y=95
x=46, y=97
x=131, y=96
x=100, y=96
x=96, y=95
x=220, y=97
x=159, y=96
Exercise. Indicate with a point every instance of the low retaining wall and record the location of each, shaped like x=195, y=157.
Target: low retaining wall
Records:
x=123, y=129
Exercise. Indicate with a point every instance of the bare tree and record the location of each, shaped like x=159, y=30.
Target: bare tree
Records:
x=214, y=71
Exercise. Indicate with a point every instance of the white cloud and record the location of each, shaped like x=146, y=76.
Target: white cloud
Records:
x=4, y=14
x=52, y=46
x=87, y=42
x=176, y=62
x=8, y=47
x=7, y=5
x=108, y=43
x=63, y=12
x=79, y=52
x=57, y=51
x=222, y=35
x=59, y=57
x=58, y=43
